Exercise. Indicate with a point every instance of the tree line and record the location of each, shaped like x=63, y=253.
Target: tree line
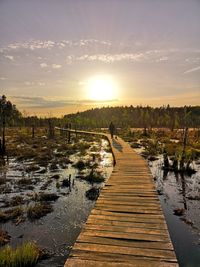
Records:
x=138, y=117
x=122, y=116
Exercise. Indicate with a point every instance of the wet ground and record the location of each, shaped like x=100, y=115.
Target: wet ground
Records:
x=58, y=230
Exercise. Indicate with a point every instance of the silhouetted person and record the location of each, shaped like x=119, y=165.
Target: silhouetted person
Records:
x=112, y=129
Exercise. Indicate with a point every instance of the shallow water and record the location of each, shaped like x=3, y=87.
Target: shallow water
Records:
x=58, y=230
x=176, y=192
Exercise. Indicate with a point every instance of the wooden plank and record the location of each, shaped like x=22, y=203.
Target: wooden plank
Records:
x=97, y=221
x=115, y=257
x=128, y=215
x=122, y=235
x=145, y=252
x=76, y=262
x=125, y=243
x=125, y=218
x=117, y=228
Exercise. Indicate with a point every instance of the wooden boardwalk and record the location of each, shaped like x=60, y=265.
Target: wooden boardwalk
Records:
x=126, y=227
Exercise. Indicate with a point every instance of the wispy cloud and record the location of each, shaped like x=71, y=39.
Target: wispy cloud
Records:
x=109, y=58
x=192, y=70
x=9, y=57
x=43, y=65
x=56, y=66
x=42, y=102
x=162, y=59
x=48, y=44
x=29, y=83
x=41, y=83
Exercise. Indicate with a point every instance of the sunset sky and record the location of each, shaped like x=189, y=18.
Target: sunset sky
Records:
x=63, y=56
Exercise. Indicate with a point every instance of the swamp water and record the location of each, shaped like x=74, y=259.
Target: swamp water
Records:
x=58, y=230
x=178, y=192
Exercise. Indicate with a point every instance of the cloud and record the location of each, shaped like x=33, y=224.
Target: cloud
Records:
x=41, y=83
x=48, y=44
x=162, y=59
x=192, y=70
x=91, y=101
x=43, y=65
x=3, y=78
x=28, y=83
x=42, y=102
x=9, y=57
x=109, y=58
x=56, y=66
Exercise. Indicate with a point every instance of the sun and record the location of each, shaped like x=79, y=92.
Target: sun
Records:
x=101, y=88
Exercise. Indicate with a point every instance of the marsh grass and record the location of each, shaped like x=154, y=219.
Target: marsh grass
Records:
x=16, y=201
x=95, y=177
x=26, y=255
x=38, y=210
x=46, y=197
x=92, y=194
x=4, y=237
x=10, y=214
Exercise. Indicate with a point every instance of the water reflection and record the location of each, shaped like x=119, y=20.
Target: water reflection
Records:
x=58, y=230
x=180, y=191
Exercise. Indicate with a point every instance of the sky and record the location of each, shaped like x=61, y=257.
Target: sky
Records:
x=63, y=56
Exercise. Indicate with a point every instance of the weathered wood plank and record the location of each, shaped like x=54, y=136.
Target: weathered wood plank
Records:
x=115, y=257
x=123, y=235
x=97, y=221
x=75, y=262
x=127, y=214
x=145, y=252
x=125, y=243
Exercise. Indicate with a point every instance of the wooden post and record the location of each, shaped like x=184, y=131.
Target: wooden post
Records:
x=33, y=131
x=185, y=134
x=69, y=133
x=51, y=129
x=69, y=136
x=3, y=147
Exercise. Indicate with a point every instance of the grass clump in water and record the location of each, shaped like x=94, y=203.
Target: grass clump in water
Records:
x=26, y=255
x=10, y=214
x=39, y=210
x=4, y=237
x=95, y=177
x=46, y=197
x=93, y=193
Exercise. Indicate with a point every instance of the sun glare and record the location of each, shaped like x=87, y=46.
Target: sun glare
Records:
x=101, y=88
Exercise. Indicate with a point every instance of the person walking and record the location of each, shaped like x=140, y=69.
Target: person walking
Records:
x=112, y=129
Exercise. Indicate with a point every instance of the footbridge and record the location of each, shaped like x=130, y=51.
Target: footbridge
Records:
x=127, y=226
